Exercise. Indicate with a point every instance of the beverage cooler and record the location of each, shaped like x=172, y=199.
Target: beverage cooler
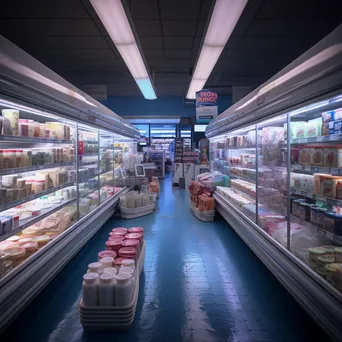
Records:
x=62, y=160
x=281, y=147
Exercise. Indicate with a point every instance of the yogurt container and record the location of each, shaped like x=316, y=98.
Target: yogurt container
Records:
x=107, y=253
x=338, y=254
x=313, y=254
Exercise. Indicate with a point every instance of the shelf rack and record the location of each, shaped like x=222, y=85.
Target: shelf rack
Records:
x=5, y=172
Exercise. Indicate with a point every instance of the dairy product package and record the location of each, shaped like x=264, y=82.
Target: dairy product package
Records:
x=301, y=130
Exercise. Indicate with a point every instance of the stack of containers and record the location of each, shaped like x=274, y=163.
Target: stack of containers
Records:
x=111, y=285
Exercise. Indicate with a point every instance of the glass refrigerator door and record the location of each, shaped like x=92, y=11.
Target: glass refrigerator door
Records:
x=125, y=159
x=37, y=180
x=89, y=169
x=106, y=165
x=272, y=178
x=316, y=187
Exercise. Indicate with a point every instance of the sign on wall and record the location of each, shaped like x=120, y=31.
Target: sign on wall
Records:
x=206, y=106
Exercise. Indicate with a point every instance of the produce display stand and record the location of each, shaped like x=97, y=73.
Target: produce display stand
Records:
x=130, y=213
x=205, y=216
x=113, y=317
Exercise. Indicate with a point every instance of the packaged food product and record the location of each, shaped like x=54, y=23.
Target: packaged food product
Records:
x=325, y=128
x=338, y=254
x=13, y=116
x=304, y=156
x=334, y=275
x=314, y=253
x=316, y=156
x=41, y=239
x=314, y=128
x=332, y=223
x=30, y=247
x=337, y=127
x=90, y=289
x=332, y=115
x=106, y=253
x=330, y=157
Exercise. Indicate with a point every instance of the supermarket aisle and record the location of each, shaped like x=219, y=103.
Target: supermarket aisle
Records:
x=201, y=283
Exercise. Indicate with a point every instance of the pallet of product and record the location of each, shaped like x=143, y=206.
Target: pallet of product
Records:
x=205, y=216
x=129, y=213
x=113, y=317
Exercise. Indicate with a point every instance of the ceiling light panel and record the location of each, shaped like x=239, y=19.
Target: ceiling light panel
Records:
x=114, y=19
x=223, y=20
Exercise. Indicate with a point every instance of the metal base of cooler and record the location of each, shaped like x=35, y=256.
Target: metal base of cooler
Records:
x=20, y=286
x=322, y=302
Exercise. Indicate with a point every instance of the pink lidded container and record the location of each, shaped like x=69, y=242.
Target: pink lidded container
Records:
x=117, y=262
x=135, y=236
x=113, y=245
x=120, y=229
x=128, y=253
x=116, y=238
x=107, y=253
x=117, y=233
x=132, y=243
x=136, y=230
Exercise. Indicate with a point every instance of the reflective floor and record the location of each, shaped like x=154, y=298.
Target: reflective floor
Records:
x=200, y=283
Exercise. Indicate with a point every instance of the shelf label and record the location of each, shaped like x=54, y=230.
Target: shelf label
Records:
x=319, y=139
x=320, y=198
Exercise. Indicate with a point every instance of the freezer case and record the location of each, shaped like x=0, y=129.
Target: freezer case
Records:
x=285, y=169
x=58, y=183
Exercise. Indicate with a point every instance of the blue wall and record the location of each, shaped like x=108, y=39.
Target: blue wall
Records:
x=132, y=106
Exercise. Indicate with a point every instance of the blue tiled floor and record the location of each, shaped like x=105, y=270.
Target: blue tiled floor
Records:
x=200, y=283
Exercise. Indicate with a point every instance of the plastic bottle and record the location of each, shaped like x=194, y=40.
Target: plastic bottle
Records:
x=18, y=157
x=107, y=289
x=90, y=289
x=95, y=267
x=129, y=270
x=123, y=289
x=111, y=270
x=106, y=262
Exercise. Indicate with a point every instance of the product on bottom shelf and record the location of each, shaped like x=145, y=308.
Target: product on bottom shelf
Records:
x=135, y=200
x=17, y=248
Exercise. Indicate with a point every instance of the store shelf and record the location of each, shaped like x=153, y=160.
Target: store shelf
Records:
x=324, y=139
x=13, y=138
x=35, y=196
x=33, y=168
x=86, y=193
x=328, y=235
x=89, y=163
x=33, y=220
x=89, y=155
x=328, y=200
x=334, y=171
x=243, y=178
x=89, y=141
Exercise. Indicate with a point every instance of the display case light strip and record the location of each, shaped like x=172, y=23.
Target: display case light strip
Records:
x=113, y=17
x=225, y=15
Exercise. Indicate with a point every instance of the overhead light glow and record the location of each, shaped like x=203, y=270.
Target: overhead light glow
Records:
x=225, y=15
x=114, y=19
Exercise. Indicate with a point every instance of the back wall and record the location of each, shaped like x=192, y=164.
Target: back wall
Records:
x=132, y=106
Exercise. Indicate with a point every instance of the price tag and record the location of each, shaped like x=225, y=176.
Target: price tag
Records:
x=326, y=138
x=307, y=168
x=335, y=171
x=319, y=139
x=333, y=137
x=303, y=193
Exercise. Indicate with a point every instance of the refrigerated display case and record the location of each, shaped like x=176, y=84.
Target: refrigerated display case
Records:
x=58, y=183
x=281, y=146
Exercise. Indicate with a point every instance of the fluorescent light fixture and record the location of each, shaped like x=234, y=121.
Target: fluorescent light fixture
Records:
x=114, y=19
x=225, y=15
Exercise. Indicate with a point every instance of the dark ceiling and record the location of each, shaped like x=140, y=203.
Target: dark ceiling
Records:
x=68, y=37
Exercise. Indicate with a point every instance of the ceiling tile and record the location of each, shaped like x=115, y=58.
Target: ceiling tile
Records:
x=179, y=9
x=176, y=43
x=144, y=9
x=201, y=28
x=154, y=54
x=178, y=54
x=146, y=28
x=74, y=43
x=206, y=9
x=151, y=43
x=43, y=9
x=176, y=28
